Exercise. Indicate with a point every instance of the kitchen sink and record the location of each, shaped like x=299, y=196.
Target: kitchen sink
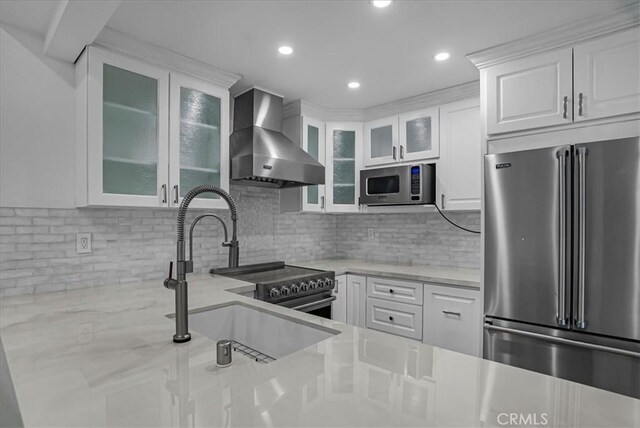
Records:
x=270, y=334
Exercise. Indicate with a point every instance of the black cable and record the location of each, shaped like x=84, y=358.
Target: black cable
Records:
x=459, y=227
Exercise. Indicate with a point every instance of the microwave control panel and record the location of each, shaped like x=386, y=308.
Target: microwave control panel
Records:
x=415, y=183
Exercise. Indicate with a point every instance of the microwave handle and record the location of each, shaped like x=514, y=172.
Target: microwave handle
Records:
x=394, y=152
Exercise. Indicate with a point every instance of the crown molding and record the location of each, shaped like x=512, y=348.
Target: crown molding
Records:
x=617, y=20
x=127, y=45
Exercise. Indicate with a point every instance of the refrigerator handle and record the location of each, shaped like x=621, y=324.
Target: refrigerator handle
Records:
x=581, y=152
x=561, y=315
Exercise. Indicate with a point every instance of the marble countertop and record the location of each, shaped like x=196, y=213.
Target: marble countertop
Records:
x=104, y=357
x=464, y=277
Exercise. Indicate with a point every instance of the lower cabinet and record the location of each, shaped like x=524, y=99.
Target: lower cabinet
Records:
x=452, y=318
x=356, y=300
x=339, y=306
x=396, y=318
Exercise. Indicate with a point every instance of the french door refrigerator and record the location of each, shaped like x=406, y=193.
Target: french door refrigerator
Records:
x=562, y=262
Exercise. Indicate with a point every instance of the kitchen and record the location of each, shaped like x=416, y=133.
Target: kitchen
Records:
x=113, y=111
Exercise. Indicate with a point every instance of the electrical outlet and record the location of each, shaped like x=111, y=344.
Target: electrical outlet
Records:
x=371, y=233
x=83, y=243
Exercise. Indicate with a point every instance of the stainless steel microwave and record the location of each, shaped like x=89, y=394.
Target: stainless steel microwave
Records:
x=398, y=185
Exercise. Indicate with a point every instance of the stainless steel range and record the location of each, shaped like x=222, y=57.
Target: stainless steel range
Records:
x=298, y=288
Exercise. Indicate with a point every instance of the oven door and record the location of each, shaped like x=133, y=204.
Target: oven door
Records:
x=383, y=186
x=317, y=304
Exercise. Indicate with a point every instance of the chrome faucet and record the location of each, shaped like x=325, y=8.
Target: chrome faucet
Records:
x=183, y=266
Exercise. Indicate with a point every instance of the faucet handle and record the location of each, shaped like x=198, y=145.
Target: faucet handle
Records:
x=170, y=283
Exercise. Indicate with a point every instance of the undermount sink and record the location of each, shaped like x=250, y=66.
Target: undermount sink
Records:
x=270, y=333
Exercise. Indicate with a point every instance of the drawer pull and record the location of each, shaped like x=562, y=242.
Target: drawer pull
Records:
x=390, y=318
x=452, y=313
x=391, y=290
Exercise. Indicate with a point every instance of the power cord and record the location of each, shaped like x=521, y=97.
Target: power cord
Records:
x=459, y=227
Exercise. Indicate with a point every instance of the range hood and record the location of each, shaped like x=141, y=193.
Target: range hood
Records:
x=261, y=155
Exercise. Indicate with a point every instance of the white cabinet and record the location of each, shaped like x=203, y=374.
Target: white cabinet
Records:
x=126, y=155
x=395, y=290
x=396, y=318
x=356, y=300
x=339, y=306
x=381, y=141
x=529, y=93
x=314, y=143
x=452, y=318
x=606, y=76
x=458, y=169
x=419, y=135
x=343, y=163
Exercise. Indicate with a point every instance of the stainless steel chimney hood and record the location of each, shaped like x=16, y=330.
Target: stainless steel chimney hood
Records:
x=261, y=155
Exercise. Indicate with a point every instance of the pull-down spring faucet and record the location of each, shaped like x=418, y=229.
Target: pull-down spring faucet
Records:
x=184, y=266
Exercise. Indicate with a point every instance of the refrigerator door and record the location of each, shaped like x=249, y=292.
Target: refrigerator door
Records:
x=607, y=233
x=605, y=363
x=527, y=236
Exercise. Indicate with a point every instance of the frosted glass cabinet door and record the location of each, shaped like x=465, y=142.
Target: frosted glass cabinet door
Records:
x=419, y=136
x=199, y=140
x=127, y=132
x=381, y=141
x=313, y=142
x=344, y=142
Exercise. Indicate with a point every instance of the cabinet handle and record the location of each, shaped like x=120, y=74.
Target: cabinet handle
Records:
x=565, y=101
x=321, y=202
x=391, y=290
x=164, y=193
x=580, y=104
x=442, y=200
x=394, y=152
x=177, y=195
x=391, y=319
x=401, y=152
x=452, y=313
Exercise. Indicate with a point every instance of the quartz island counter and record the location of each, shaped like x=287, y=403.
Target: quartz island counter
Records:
x=105, y=357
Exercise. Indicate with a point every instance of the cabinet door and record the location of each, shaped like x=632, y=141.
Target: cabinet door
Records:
x=419, y=135
x=530, y=93
x=452, y=318
x=381, y=141
x=127, y=133
x=458, y=168
x=199, y=140
x=606, y=71
x=313, y=142
x=356, y=300
x=396, y=318
x=344, y=145
x=339, y=306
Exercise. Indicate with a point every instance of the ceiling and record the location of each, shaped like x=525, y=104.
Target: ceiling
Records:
x=389, y=51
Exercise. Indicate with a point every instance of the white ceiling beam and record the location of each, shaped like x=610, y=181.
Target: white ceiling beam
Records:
x=76, y=24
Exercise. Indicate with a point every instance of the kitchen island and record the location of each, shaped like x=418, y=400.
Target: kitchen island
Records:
x=104, y=357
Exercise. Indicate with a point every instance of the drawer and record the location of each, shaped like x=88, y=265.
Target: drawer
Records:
x=395, y=290
x=395, y=318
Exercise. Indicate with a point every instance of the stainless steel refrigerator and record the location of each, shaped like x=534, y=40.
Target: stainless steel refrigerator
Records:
x=562, y=262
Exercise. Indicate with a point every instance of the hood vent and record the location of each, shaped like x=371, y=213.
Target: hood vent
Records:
x=261, y=155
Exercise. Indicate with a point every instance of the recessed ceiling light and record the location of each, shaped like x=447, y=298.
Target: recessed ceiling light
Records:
x=285, y=50
x=442, y=56
x=381, y=3
x=353, y=85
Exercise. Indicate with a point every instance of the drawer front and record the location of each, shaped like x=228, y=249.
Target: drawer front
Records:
x=395, y=318
x=394, y=290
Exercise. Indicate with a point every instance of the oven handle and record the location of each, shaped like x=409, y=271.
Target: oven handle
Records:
x=312, y=304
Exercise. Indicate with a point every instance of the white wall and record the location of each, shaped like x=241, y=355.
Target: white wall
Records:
x=37, y=125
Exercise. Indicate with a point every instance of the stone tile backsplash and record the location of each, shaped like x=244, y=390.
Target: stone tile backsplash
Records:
x=38, y=246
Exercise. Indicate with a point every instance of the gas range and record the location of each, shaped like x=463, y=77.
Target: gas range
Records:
x=299, y=288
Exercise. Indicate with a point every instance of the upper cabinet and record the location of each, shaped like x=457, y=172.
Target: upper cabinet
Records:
x=126, y=155
x=591, y=80
x=344, y=155
x=313, y=142
x=408, y=137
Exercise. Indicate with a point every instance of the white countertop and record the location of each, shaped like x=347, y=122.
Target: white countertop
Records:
x=104, y=356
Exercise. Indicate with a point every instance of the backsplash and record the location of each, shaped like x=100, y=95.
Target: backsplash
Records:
x=38, y=246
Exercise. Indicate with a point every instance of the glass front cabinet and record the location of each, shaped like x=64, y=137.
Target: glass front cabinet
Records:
x=344, y=145
x=313, y=142
x=146, y=135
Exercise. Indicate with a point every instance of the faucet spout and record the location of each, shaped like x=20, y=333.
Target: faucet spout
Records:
x=184, y=266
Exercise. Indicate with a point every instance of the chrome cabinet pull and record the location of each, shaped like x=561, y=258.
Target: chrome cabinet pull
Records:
x=452, y=313
x=555, y=339
x=177, y=196
x=401, y=152
x=581, y=322
x=565, y=101
x=321, y=202
x=561, y=316
x=337, y=286
x=164, y=193
x=580, y=104
x=442, y=200
x=394, y=152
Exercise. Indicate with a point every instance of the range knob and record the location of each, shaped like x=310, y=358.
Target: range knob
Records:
x=295, y=289
x=329, y=282
x=274, y=293
x=321, y=283
x=304, y=286
x=284, y=291
x=313, y=285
